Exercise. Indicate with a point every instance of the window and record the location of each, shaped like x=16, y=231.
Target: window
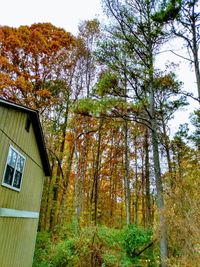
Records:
x=14, y=169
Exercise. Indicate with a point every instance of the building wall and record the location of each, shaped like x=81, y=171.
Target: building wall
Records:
x=17, y=241
x=17, y=235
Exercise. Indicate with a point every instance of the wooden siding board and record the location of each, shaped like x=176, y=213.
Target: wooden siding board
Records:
x=3, y=153
x=17, y=237
x=14, y=127
x=17, y=241
x=30, y=195
x=34, y=116
x=3, y=115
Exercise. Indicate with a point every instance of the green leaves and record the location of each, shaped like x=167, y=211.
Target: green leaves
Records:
x=108, y=85
x=109, y=246
x=136, y=239
x=96, y=107
x=168, y=12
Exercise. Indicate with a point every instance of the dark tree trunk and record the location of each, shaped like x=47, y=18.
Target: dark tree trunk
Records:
x=147, y=179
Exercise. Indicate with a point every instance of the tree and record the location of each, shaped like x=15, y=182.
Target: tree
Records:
x=184, y=17
x=88, y=35
x=195, y=119
x=134, y=28
x=168, y=101
x=30, y=57
x=182, y=203
x=187, y=28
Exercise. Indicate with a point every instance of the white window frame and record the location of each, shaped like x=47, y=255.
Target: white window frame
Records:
x=15, y=168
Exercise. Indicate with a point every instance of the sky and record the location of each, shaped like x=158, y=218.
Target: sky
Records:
x=184, y=73
x=61, y=13
x=68, y=14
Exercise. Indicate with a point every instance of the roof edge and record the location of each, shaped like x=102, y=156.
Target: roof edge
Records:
x=37, y=127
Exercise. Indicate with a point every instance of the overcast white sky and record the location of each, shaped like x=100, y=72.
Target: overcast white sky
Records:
x=61, y=13
x=185, y=73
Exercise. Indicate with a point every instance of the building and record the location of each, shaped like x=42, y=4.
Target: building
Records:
x=23, y=166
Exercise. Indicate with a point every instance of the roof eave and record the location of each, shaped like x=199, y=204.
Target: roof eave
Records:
x=34, y=115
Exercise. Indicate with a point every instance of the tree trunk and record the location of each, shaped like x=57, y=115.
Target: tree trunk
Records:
x=159, y=187
x=126, y=174
x=95, y=186
x=147, y=179
x=82, y=167
x=136, y=183
x=111, y=186
x=160, y=200
x=55, y=212
x=166, y=144
x=154, y=138
x=65, y=183
x=195, y=51
x=76, y=187
x=143, y=193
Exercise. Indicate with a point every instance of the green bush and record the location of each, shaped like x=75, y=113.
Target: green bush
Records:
x=64, y=254
x=135, y=240
x=42, y=256
x=94, y=246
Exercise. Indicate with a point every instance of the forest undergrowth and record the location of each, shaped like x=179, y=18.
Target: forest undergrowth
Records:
x=96, y=247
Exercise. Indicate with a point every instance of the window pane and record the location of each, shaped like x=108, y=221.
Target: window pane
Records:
x=17, y=180
x=20, y=164
x=14, y=169
x=9, y=175
x=12, y=157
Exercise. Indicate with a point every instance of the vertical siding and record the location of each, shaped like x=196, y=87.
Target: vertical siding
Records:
x=17, y=235
x=13, y=124
x=32, y=183
x=17, y=244
x=3, y=116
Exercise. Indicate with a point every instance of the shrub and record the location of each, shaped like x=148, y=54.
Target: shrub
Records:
x=42, y=257
x=64, y=254
x=135, y=240
x=93, y=246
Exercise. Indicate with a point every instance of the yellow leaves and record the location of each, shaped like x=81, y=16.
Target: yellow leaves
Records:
x=46, y=38
x=5, y=81
x=166, y=81
x=183, y=213
x=22, y=83
x=38, y=39
x=13, y=41
x=3, y=61
x=44, y=93
x=69, y=138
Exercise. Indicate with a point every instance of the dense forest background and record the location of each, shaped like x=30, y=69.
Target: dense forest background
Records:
x=123, y=192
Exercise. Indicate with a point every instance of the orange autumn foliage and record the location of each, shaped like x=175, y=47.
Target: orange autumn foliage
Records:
x=29, y=59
